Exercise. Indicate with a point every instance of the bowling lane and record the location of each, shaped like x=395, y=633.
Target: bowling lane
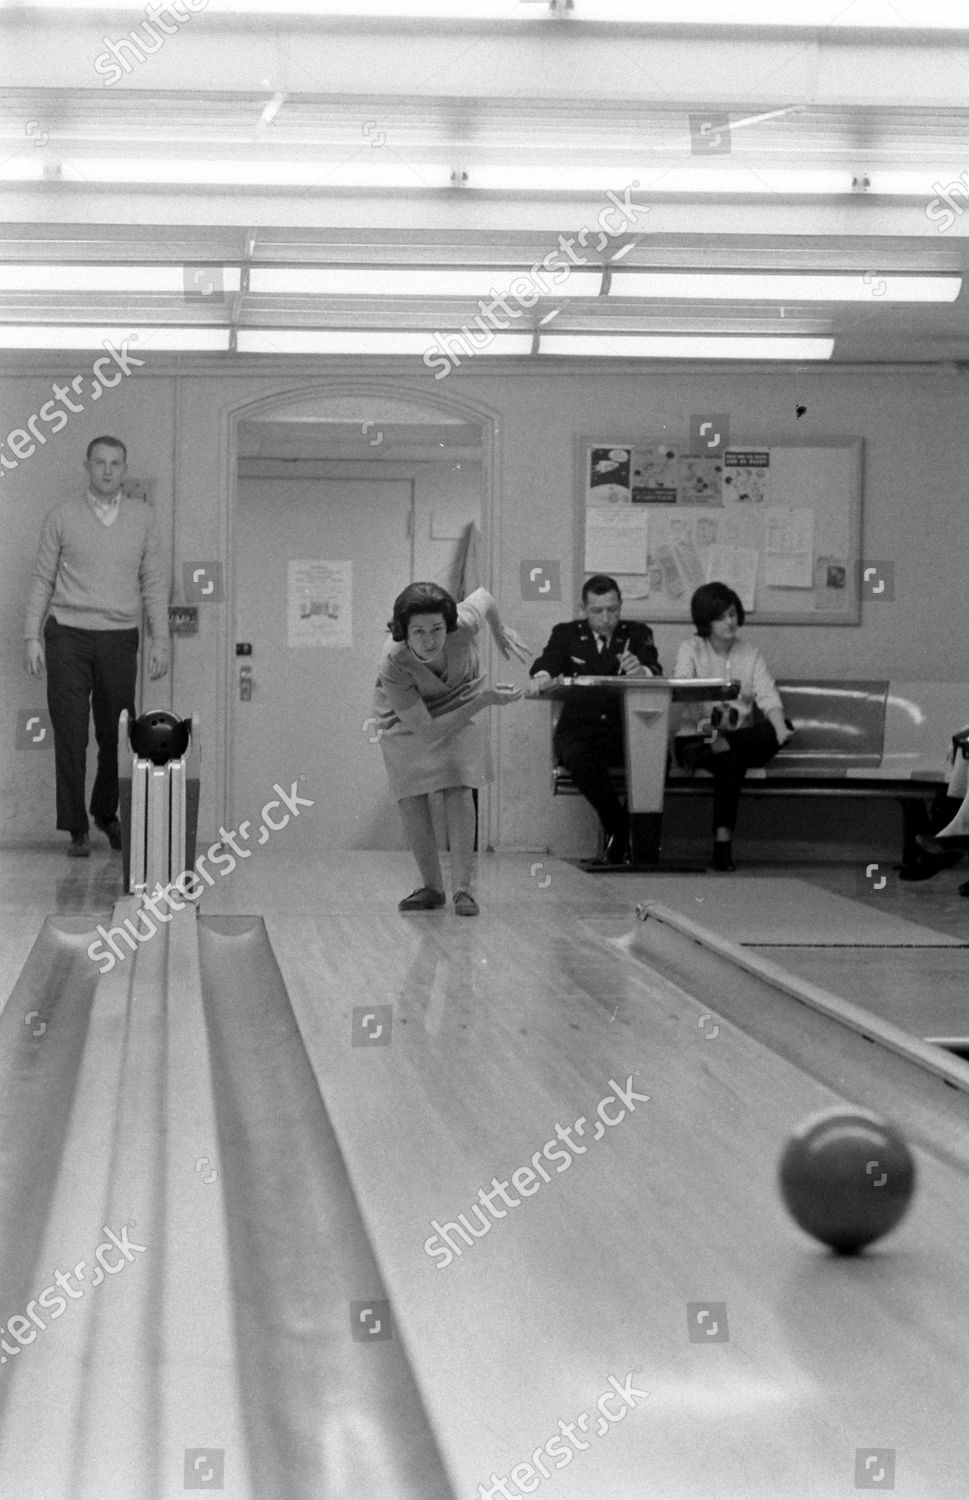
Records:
x=499, y=1039
x=165, y=1107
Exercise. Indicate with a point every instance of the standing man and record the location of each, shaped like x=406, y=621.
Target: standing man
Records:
x=99, y=565
x=589, y=736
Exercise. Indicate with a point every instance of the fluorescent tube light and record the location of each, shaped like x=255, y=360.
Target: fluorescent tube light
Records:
x=140, y=340
x=75, y=278
x=375, y=341
x=932, y=15
x=408, y=281
x=692, y=346
x=770, y=286
x=202, y=172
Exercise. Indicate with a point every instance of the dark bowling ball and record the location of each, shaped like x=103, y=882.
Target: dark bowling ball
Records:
x=159, y=737
x=847, y=1177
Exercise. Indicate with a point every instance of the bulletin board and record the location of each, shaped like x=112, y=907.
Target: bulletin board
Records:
x=780, y=524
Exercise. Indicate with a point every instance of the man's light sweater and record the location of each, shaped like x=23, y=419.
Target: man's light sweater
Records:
x=99, y=577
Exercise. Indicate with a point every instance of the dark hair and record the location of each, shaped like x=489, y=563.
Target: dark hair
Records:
x=421, y=599
x=710, y=601
x=107, y=442
x=600, y=583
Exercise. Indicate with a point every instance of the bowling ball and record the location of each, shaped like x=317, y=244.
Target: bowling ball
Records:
x=159, y=737
x=847, y=1177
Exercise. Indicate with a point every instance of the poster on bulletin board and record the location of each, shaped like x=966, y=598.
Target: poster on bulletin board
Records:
x=781, y=525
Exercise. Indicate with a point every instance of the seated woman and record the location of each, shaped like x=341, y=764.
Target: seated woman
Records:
x=428, y=692
x=715, y=651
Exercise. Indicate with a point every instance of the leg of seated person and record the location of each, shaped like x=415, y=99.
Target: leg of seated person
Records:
x=753, y=745
x=588, y=761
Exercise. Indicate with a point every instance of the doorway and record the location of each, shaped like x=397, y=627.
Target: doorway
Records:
x=326, y=532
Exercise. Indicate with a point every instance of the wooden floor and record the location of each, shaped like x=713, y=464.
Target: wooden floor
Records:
x=336, y=1063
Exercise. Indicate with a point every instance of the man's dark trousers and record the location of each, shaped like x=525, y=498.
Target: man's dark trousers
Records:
x=87, y=669
x=587, y=753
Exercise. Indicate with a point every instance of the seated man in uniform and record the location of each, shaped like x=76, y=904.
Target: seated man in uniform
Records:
x=589, y=735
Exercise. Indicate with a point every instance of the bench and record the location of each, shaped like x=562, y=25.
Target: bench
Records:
x=858, y=739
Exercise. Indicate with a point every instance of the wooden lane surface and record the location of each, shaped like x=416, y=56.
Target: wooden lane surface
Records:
x=185, y=1137
x=508, y=1026
x=923, y=990
x=107, y=1401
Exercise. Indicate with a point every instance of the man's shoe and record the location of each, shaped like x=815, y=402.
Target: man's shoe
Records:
x=423, y=899
x=616, y=850
x=79, y=847
x=111, y=830
x=722, y=859
x=464, y=904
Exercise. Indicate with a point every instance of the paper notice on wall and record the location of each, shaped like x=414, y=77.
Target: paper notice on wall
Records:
x=615, y=539
x=831, y=582
x=737, y=568
x=633, y=585
x=319, y=609
x=789, y=553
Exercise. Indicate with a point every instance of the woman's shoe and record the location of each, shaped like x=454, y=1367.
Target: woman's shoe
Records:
x=424, y=899
x=941, y=843
x=464, y=904
x=79, y=847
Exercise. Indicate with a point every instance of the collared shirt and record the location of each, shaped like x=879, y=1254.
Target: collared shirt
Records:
x=105, y=510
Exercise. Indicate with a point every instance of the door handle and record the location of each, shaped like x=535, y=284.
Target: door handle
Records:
x=245, y=684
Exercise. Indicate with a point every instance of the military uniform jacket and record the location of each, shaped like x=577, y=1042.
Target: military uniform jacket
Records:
x=572, y=651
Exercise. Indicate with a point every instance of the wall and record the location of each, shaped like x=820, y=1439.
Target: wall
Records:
x=178, y=422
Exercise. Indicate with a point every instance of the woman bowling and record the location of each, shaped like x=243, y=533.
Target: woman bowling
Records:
x=428, y=693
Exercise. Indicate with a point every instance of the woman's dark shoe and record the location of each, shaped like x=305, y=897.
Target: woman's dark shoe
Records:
x=964, y=888
x=942, y=843
x=423, y=899
x=79, y=847
x=722, y=860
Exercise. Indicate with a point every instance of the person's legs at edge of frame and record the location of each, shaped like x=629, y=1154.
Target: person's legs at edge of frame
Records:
x=949, y=822
x=70, y=682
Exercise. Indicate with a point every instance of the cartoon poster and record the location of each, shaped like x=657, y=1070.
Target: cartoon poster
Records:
x=607, y=477
x=700, y=481
x=653, y=474
x=746, y=476
x=319, y=610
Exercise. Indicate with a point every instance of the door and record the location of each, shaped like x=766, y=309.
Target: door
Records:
x=309, y=706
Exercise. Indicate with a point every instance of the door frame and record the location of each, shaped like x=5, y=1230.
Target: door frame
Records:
x=374, y=391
